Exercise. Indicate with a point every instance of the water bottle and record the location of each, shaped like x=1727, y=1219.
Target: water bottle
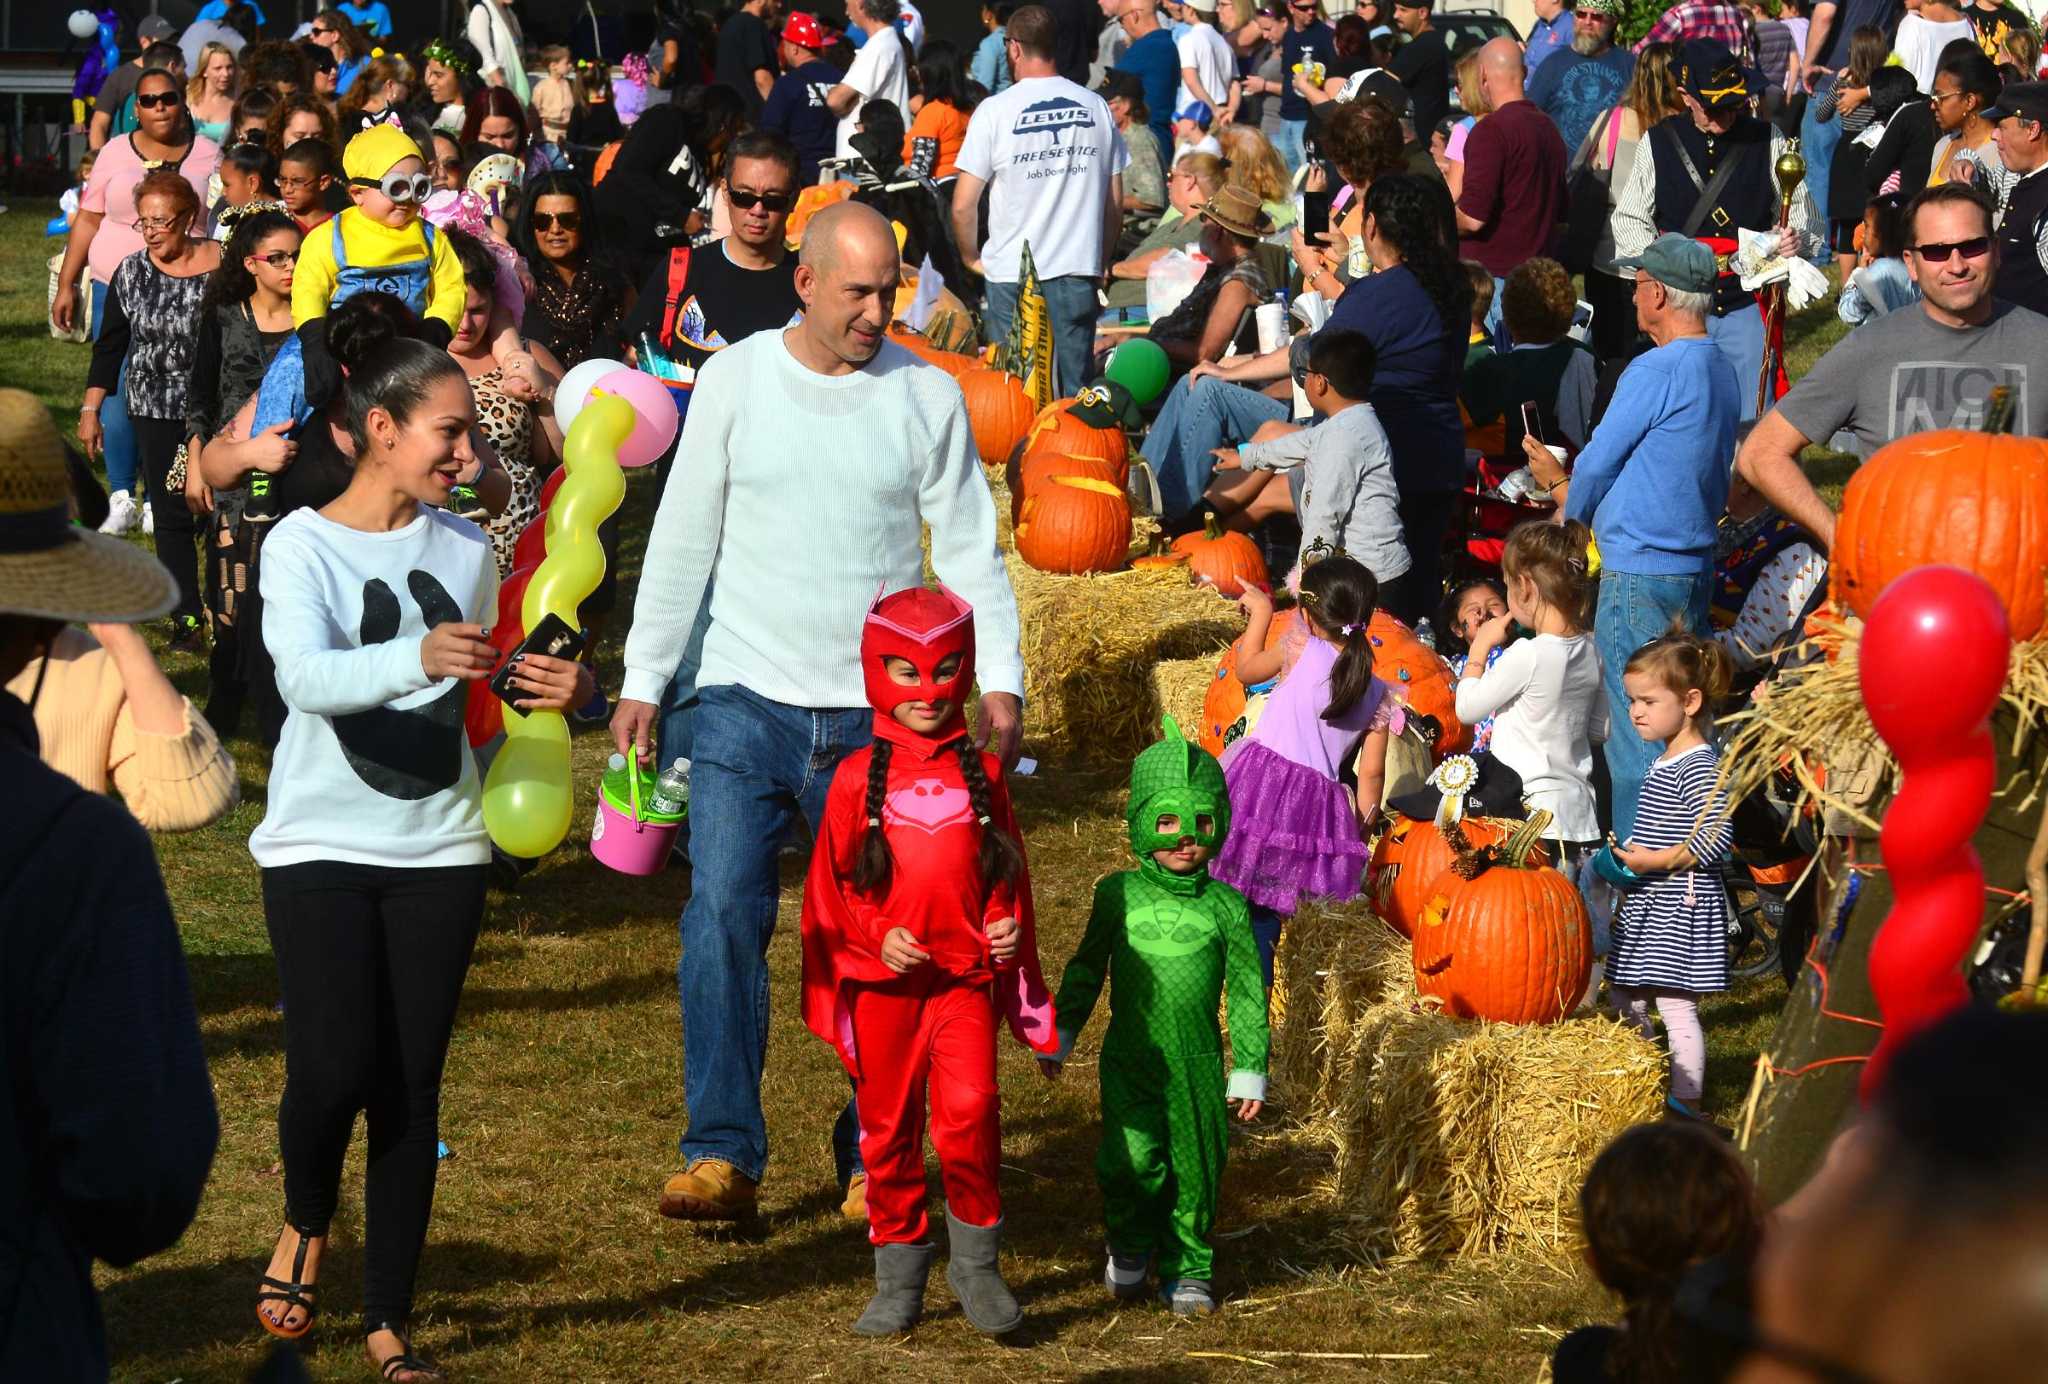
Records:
x=672, y=791
x=262, y=505
x=618, y=787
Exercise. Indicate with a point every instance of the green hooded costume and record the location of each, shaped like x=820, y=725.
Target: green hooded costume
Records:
x=1171, y=944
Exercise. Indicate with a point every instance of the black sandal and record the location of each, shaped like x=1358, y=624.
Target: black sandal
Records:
x=403, y=1360
x=294, y=1294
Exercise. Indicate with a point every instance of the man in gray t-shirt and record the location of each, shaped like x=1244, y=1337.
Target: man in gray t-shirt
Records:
x=1926, y=366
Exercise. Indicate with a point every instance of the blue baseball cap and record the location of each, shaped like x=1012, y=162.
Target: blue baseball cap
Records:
x=1197, y=111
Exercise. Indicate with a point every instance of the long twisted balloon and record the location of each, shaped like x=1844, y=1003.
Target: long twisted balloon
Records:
x=1933, y=659
x=528, y=798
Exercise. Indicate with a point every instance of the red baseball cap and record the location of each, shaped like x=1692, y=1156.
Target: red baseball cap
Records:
x=803, y=31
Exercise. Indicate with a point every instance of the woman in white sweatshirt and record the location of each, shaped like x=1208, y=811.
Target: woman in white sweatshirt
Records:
x=376, y=607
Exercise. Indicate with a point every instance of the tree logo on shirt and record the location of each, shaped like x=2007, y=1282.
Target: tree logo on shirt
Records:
x=1051, y=117
x=413, y=752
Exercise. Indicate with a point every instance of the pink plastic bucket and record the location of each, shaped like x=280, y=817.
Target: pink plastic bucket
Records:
x=626, y=842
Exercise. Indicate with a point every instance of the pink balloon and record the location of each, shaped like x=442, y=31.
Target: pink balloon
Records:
x=656, y=430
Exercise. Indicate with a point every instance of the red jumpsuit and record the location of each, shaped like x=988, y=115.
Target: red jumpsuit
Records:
x=936, y=1026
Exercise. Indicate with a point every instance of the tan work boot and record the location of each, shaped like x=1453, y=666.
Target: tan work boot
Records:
x=855, y=1207
x=710, y=1189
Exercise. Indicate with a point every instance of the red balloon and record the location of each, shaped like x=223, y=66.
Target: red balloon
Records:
x=531, y=545
x=554, y=483
x=483, y=715
x=1933, y=659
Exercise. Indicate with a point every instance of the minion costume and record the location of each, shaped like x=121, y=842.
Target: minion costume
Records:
x=357, y=255
x=1173, y=944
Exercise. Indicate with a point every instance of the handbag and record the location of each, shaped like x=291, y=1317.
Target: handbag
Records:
x=1585, y=201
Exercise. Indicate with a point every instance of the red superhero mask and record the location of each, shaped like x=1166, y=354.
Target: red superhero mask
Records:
x=925, y=628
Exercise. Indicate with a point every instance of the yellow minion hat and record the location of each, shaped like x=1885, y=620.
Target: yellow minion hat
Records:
x=372, y=153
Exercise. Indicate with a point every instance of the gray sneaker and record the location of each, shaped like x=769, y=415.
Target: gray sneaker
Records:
x=1125, y=1274
x=1188, y=1297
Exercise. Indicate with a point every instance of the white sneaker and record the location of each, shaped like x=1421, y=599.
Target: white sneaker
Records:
x=121, y=515
x=148, y=518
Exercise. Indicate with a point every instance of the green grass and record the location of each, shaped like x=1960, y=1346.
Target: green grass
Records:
x=563, y=1103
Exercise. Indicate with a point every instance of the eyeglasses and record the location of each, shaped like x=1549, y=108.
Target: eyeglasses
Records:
x=747, y=201
x=317, y=32
x=1976, y=247
x=399, y=187
x=278, y=259
x=568, y=220
x=285, y=184
x=1941, y=96
x=152, y=100
x=154, y=223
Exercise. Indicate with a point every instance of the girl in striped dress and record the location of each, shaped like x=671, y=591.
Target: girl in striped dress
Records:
x=1671, y=934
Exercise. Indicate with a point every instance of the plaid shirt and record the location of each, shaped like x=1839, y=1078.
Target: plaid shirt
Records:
x=1724, y=24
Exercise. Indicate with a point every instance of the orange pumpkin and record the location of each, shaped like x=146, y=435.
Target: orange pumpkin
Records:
x=952, y=362
x=1159, y=562
x=1073, y=524
x=809, y=203
x=1410, y=860
x=1977, y=500
x=1057, y=430
x=998, y=410
x=1223, y=559
x=1039, y=467
x=1512, y=943
x=1223, y=703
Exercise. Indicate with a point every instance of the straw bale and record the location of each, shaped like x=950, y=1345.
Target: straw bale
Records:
x=1464, y=1139
x=1334, y=963
x=1178, y=686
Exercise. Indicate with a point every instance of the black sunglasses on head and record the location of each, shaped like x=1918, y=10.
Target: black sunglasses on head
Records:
x=774, y=201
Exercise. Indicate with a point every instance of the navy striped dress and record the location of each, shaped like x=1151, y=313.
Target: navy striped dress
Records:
x=1672, y=931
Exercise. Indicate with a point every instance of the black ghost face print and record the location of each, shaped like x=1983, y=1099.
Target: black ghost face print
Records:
x=417, y=752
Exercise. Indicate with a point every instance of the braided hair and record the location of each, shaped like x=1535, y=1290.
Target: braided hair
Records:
x=1001, y=860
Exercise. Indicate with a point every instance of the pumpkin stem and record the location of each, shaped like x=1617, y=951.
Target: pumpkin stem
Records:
x=1212, y=530
x=1515, y=850
x=1998, y=410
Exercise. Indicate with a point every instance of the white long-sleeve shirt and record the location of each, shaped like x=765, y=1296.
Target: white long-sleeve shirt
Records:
x=372, y=767
x=797, y=498
x=1544, y=696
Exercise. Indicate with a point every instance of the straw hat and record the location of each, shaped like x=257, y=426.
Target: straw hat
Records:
x=49, y=567
x=1236, y=210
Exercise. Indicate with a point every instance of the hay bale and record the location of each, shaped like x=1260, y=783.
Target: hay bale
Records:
x=1335, y=962
x=1090, y=644
x=1178, y=686
x=1472, y=1139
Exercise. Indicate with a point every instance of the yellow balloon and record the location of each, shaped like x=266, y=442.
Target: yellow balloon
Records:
x=598, y=432
x=588, y=499
x=528, y=800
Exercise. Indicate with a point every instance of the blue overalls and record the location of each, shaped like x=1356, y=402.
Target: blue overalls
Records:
x=282, y=396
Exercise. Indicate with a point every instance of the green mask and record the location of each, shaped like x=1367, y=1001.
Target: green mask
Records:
x=1176, y=778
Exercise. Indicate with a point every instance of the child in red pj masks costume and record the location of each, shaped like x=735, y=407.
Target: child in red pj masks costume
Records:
x=917, y=930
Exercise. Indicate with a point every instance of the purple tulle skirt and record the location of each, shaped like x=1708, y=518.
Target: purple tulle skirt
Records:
x=1293, y=833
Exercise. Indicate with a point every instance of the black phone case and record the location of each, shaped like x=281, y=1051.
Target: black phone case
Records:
x=553, y=638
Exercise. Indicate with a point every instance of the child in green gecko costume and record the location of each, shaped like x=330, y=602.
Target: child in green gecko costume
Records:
x=1171, y=940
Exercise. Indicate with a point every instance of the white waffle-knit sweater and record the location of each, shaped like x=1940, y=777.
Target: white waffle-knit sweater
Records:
x=797, y=497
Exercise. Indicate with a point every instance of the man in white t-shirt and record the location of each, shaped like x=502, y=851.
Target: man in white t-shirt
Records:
x=1208, y=69
x=1053, y=159
x=880, y=71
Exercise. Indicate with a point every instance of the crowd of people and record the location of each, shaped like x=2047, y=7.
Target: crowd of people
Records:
x=1400, y=289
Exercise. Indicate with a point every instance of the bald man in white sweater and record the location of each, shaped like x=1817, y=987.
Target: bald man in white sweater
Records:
x=810, y=461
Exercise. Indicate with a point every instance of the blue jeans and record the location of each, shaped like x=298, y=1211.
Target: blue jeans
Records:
x=758, y=763
x=1072, y=307
x=1635, y=609
x=1290, y=144
x=676, y=731
x=1266, y=925
x=1191, y=423
x=1817, y=142
x=1740, y=335
x=117, y=437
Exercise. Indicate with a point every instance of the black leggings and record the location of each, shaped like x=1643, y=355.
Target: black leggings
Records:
x=177, y=527
x=370, y=960
x=1426, y=518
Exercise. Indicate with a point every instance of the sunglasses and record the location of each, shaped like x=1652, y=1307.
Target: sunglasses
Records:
x=278, y=259
x=774, y=201
x=568, y=220
x=1976, y=247
x=152, y=100
x=399, y=187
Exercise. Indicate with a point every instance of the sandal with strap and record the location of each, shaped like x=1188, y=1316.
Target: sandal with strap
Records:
x=402, y=1361
x=294, y=1294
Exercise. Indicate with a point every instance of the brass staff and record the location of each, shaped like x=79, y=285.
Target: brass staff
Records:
x=1791, y=172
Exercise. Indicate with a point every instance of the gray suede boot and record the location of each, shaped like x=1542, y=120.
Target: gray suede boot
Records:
x=971, y=1268
x=898, y=1303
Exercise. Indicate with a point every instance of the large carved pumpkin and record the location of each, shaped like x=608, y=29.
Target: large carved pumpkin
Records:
x=1225, y=560
x=1039, y=467
x=1411, y=858
x=1976, y=500
x=1511, y=943
x=998, y=410
x=1073, y=524
x=1057, y=430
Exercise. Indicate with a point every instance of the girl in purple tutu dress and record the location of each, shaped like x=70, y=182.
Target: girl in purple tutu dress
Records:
x=1296, y=830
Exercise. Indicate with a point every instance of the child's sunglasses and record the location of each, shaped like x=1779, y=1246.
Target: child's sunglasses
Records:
x=400, y=187
x=774, y=201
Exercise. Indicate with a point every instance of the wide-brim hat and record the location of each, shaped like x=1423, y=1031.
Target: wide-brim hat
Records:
x=1236, y=210
x=49, y=567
